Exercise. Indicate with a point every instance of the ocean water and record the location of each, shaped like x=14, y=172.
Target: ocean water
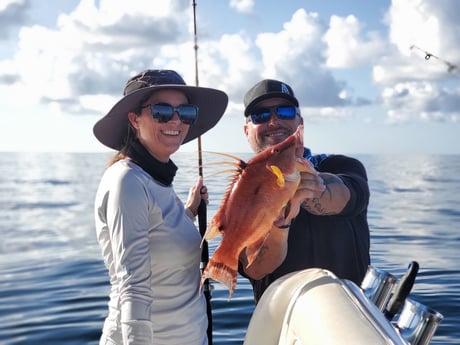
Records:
x=54, y=286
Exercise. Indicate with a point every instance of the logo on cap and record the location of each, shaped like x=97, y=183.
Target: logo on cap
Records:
x=285, y=89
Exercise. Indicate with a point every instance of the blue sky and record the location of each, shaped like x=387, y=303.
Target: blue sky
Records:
x=361, y=87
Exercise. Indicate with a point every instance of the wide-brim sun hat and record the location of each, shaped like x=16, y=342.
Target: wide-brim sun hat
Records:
x=112, y=129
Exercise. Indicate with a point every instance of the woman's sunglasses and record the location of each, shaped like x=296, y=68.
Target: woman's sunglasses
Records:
x=263, y=115
x=165, y=112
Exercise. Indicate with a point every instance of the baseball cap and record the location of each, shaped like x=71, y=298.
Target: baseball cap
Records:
x=268, y=88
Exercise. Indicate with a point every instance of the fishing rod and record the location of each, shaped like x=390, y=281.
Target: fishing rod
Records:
x=202, y=217
x=450, y=66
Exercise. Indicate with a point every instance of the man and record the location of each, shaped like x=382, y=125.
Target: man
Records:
x=326, y=224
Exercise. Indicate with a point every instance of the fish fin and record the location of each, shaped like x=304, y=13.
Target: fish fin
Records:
x=218, y=222
x=279, y=175
x=216, y=227
x=237, y=164
x=220, y=272
x=239, y=160
x=253, y=250
x=212, y=231
x=221, y=172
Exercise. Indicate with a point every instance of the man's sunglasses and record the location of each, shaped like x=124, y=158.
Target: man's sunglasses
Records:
x=282, y=112
x=164, y=112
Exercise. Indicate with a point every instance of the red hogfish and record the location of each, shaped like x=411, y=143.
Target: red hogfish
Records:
x=256, y=197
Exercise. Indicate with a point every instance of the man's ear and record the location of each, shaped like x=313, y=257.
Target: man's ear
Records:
x=245, y=129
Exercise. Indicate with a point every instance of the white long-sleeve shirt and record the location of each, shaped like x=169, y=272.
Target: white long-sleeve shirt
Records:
x=152, y=251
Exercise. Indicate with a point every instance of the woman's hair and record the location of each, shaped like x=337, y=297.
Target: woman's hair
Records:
x=131, y=135
x=122, y=154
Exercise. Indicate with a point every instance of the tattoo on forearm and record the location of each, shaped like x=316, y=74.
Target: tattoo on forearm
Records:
x=314, y=205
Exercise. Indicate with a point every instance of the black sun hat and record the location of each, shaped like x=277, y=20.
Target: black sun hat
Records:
x=111, y=130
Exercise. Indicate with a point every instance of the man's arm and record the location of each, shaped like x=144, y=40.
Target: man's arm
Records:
x=331, y=201
x=347, y=189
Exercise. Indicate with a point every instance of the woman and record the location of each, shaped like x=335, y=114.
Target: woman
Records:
x=149, y=241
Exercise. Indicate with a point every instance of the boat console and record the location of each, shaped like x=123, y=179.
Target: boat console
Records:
x=315, y=307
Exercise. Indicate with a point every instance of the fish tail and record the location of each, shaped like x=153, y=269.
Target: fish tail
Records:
x=221, y=272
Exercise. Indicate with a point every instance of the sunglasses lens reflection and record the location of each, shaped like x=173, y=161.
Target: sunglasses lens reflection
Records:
x=165, y=112
x=264, y=115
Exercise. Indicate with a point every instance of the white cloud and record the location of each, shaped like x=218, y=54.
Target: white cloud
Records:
x=295, y=54
x=79, y=66
x=421, y=101
x=5, y=4
x=236, y=60
x=413, y=22
x=429, y=25
x=298, y=45
x=346, y=48
x=315, y=115
x=92, y=49
x=13, y=13
x=243, y=6
x=414, y=88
